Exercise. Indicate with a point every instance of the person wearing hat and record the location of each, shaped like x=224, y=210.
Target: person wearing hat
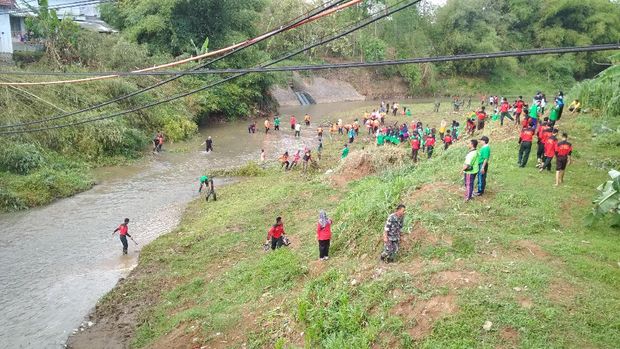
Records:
x=484, y=155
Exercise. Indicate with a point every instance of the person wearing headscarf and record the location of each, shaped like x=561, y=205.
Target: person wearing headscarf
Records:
x=324, y=234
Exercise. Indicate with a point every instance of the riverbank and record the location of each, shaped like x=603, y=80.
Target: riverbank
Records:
x=541, y=281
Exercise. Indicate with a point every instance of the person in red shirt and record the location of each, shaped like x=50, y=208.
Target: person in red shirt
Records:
x=123, y=234
x=550, y=143
x=563, y=151
x=430, y=145
x=293, y=122
x=324, y=235
x=482, y=115
x=519, y=104
x=503, y=109
x=415, y=148
x=276, y=234
x=542, y=133
x=525, y=141
x=447, y=140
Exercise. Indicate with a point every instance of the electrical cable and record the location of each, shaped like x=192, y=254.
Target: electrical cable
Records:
x=436, y=59
x=190, y=59
x=387, y=12
x=33, y=9
x=299, y=19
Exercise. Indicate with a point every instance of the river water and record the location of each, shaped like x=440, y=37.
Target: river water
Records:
x=57, y=261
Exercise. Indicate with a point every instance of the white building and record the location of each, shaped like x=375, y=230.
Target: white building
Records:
x=13, y=33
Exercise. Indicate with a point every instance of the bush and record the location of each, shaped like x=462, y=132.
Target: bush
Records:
x=20, y=158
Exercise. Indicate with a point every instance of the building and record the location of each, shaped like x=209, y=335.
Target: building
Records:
x=13, y=33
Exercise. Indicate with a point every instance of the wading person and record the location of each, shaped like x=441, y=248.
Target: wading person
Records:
x=470, y=169
x=123, y=234
x=391, y=234
x=275, y=234
x=209, y=144
x=307, y=120
x=324, y=235
x=297, y=130
x=276, y=123
x=563, y=152
x=293, y=122
x=267, y=125
x=483, y=168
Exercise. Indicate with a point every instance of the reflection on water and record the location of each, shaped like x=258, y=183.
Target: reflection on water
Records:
x=56, y=261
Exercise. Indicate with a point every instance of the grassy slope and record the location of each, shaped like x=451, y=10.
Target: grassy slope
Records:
x=519, y=257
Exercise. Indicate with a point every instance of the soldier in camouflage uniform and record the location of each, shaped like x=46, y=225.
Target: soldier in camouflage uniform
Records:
x=391, y=234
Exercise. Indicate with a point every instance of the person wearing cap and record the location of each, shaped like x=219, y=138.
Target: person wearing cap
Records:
x=484, y=155
x=470, y=169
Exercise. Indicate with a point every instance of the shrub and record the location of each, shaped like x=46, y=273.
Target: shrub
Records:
x=20, y=158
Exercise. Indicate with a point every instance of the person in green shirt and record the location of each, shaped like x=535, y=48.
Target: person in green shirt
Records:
x=554, y=114
x=533, y=114
x=470, y=169
x=380, y=138
x=345, y=151
x=484, y=156
x=276, y=123
x=207, y=183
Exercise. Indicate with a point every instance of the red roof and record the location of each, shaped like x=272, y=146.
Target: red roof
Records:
x=7, y=3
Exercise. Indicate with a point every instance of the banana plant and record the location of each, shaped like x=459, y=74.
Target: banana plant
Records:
x=608, y=201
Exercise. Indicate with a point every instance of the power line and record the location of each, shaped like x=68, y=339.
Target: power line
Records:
x=437, y=59
x=387, y=12
x=186, y=60
x=35, y=8
x=299, y=19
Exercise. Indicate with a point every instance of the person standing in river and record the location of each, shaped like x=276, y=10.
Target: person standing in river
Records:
x=209, y=143
x=267, y=125
x=276, y=123
x=123, y=233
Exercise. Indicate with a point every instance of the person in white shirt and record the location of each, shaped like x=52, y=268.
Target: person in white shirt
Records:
x=297, y=130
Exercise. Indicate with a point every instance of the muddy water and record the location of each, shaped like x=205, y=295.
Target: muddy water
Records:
x=58, y=260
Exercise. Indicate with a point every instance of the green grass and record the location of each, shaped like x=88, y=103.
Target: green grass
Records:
x=537, y=272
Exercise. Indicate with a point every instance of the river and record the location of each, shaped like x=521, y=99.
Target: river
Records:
x=56, y=261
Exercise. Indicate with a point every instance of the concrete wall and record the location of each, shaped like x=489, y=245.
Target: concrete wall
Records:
x=6, y=42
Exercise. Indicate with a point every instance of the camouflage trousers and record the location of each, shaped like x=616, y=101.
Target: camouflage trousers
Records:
x=390, y=248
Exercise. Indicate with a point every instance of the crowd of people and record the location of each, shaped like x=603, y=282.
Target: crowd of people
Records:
x=535, y=122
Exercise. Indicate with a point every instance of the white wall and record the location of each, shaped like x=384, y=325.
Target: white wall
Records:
x=6, y=43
